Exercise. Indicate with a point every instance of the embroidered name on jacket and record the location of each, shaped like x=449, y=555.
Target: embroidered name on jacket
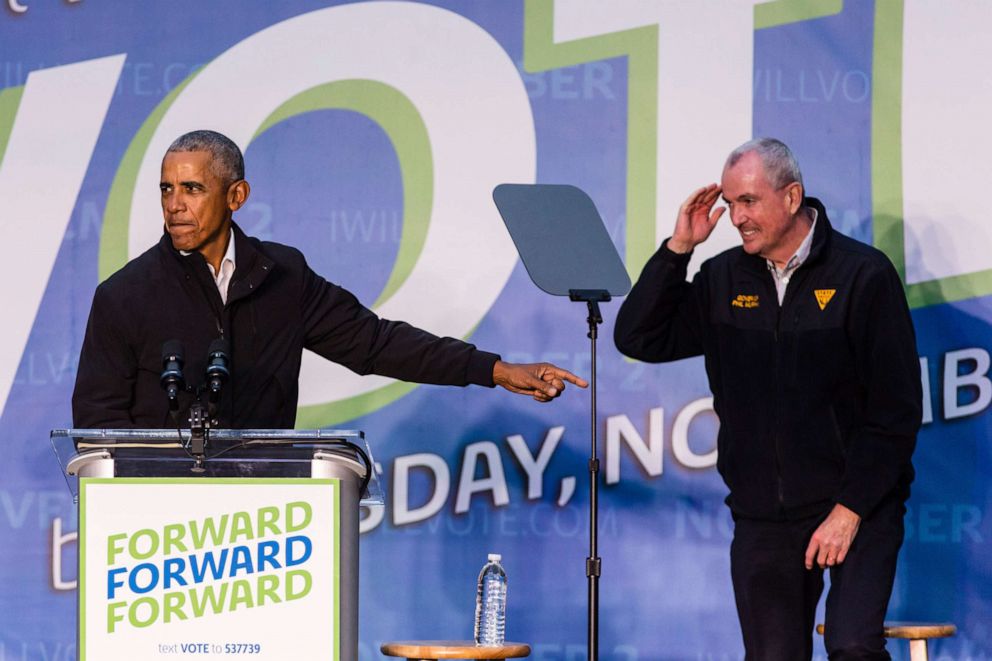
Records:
x=823, y=296
x=745, y=301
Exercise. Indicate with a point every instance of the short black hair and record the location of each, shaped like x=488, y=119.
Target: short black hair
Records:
x=228, y=163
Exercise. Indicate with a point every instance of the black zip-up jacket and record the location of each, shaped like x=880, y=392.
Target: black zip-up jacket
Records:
x=276, y=307
x=819, y=398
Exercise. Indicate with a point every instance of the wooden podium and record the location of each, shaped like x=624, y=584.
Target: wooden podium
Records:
x=251, y=551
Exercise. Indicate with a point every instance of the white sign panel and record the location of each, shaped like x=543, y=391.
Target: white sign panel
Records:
x=209, y=568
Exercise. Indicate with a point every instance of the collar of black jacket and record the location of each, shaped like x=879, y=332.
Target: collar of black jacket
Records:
x=821, y=240
x=252, y=267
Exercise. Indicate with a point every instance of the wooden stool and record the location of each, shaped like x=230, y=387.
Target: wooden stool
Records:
x=918, y=633
x=431, y=650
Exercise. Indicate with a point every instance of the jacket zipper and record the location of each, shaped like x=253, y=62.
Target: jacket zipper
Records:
x=837, y=435
x=778, y=381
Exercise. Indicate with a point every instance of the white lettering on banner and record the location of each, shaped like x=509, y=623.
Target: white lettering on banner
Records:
x=42, y=650
x=42, y=368
x=534, y=467
x=402, y=514
x=26, y=509
x=680, y=436
x=16, y=513
x=467, y=255
x=620, y=433
x=649, y=455
x=943, y=523
x=816, y=86
x=566, y=490
x=973, y=383
x=925, y=383
x=59, y=541
x=704, y=104
x=585, y=82
x=371, y=518
x=18, y=7
x=541, y=520
x=58, y=120
x=577, y=652
x=706, y=519
x=494, y=482
x=975, y=380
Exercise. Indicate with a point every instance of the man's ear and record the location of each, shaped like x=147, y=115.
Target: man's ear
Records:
x=794, y=197
x=237, y=194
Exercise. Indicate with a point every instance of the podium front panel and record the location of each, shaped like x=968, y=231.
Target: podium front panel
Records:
x=217, y=567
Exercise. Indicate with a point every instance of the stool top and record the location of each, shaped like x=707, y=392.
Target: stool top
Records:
x=914, y=630
x=919, y=630
x=452, y=649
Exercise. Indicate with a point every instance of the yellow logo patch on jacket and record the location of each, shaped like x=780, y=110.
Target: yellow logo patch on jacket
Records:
x=745, y=301
x=823, y=296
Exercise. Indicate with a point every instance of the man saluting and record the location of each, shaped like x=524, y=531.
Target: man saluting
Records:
x=811, y=357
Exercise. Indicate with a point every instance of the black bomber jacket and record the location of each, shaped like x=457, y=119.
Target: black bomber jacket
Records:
x=276, y=307
x=819, y=398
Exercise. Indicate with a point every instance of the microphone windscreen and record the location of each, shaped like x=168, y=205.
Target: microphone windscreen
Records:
x=173, y=348
x=220, y=345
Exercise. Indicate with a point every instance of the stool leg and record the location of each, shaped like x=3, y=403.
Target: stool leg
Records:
x=918, y=650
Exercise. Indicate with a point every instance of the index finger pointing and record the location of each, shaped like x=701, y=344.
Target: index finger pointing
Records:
x=568, y=376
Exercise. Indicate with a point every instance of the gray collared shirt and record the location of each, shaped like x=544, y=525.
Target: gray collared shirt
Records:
x=782, y=276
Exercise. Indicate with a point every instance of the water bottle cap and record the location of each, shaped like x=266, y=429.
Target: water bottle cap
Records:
x=495, y=557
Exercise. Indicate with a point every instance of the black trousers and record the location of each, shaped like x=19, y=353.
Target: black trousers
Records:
x=777, y=596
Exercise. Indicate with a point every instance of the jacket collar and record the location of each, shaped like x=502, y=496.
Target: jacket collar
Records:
x=250, y=273
x=821, y=241
x=252, y=268
x=821, y=233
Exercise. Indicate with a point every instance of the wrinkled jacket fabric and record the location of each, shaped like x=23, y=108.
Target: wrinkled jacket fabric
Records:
x=819, y=398
x=276, y=307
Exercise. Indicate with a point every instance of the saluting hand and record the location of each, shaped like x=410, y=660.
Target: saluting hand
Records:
x=696, y=220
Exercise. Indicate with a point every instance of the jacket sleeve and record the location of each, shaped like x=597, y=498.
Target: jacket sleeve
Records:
x=660, y=320
x=341, y=329
x=104, y=390
x=884, y=342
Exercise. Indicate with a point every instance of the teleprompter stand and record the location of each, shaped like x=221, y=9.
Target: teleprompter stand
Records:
x=567, y=252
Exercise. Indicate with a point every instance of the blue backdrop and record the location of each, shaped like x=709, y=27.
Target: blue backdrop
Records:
x=374, y=180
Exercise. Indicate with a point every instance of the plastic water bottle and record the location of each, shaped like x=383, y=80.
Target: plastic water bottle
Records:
x=490, y=604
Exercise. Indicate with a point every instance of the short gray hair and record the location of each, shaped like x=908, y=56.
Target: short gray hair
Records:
x=781, y=167
x=227, y=161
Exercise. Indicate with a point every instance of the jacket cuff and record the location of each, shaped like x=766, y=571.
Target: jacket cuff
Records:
x=480, y=368
x=856, y=505
x=670, y=255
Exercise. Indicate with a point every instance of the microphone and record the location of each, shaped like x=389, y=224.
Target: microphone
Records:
x=172, y=371
x=218, y=367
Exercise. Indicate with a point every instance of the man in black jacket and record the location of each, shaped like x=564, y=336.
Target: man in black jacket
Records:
x=811, y=357
x=207, y=280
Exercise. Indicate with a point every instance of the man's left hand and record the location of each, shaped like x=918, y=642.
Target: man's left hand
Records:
x=542, y=381
x=830, y=542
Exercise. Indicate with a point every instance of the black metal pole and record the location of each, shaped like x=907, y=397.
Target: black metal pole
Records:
x=592, y=298
x=593, y=562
